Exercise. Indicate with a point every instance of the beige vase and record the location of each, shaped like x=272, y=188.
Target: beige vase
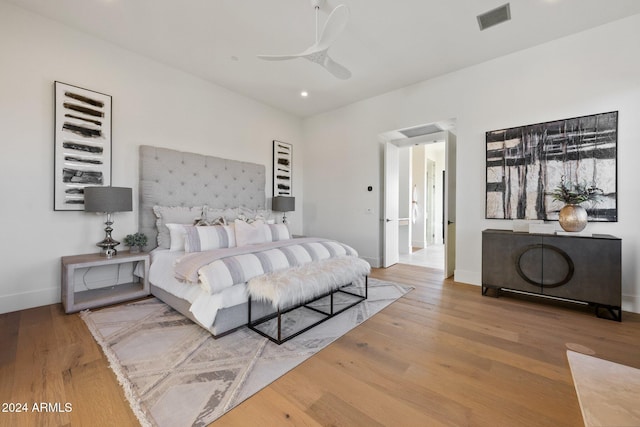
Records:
x=573, y=218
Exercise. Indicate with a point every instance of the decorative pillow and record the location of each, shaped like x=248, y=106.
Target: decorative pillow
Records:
x=177, y=233
x=250, y=234
x=228, y=214
x=276, y=232
x=247, y=215
x=266, y=215
x=173, y=215
x=205, y=222
x=250, y=215
x=206, y=238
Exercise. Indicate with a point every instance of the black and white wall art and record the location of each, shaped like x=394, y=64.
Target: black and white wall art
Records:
x=525, y=164
x=82, y=144
x=282, y=169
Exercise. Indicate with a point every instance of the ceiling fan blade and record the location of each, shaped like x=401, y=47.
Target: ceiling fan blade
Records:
x=333, y=27
x=340, y=71
x=280, y=57
x=336, y=22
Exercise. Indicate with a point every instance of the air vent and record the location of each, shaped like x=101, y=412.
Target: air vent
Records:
x=494, y=17
x=421, y=130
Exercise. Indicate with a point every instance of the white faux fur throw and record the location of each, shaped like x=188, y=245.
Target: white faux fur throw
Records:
x=301, y=284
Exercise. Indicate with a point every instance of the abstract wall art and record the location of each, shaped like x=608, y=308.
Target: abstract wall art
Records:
x=525, y=164
x=282, y=169
x=82, y=144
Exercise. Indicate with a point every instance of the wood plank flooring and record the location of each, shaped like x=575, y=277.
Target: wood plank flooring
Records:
x=441, y=356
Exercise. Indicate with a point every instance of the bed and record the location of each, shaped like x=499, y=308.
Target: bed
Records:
x=201, y=214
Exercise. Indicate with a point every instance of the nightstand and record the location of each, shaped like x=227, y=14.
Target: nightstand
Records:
x=73, y=301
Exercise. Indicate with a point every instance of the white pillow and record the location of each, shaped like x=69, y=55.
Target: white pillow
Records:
x=276, y=232
x=250, y=234
x=173, y=215
x=206, y=238
x=177, y=232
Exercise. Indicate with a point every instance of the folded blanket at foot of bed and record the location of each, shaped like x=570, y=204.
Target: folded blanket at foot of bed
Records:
x=300, y=284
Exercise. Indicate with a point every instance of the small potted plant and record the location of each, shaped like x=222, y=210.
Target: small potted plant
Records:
x=573, y=217
x=135, y=241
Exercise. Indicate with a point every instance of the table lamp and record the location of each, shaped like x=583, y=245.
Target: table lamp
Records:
x=284, y=204
x=108, y=200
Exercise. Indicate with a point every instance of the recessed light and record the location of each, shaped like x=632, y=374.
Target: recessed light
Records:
x=304, y=94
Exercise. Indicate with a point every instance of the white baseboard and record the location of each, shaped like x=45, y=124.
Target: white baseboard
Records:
x=631, y=303
x=373, y=262
x=21, y=301
x=468, y=277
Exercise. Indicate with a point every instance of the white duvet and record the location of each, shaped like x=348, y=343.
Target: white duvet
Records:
x=204, y=306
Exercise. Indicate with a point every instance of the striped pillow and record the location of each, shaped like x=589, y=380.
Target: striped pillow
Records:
x=277, y=232
x=205, y=238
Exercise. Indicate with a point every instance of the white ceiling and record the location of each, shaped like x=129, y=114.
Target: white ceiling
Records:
x=387, y=44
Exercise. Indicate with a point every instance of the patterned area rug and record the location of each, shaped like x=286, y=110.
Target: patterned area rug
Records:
x=175, y=374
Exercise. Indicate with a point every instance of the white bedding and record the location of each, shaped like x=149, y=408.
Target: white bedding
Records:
x=223, y=273
x=204, y=306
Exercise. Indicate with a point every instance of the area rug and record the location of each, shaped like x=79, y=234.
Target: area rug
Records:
x=607, y=391
x=175, y=374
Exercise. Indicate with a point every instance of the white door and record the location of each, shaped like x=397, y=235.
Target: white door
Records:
x=450, y=206
x=391, y=202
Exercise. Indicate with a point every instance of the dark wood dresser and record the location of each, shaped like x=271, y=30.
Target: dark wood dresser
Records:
x=578, y=268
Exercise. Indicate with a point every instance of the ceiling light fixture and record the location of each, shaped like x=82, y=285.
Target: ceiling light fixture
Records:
x=304, y=94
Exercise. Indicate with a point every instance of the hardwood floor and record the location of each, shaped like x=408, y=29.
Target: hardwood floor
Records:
x=442, y=355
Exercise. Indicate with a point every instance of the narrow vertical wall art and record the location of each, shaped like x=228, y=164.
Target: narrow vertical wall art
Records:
x=282, y=169
x=82, y=144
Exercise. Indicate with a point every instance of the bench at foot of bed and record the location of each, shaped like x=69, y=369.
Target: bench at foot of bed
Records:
x=308, y=295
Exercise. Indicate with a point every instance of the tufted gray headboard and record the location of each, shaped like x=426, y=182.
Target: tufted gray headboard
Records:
x=175, y=178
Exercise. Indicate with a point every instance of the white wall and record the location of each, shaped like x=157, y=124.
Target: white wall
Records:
x=591, y=72
x=152, y=104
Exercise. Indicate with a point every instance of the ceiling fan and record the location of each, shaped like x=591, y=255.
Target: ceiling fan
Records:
x=318, y=51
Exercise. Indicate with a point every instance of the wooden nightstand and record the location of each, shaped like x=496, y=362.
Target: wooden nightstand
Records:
x=73, y=301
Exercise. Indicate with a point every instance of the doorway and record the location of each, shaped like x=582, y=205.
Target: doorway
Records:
x=427, y=215
x=426, y=163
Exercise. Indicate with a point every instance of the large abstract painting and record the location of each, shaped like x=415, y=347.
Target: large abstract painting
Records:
x=282, y=169
x=525, y=164
x=82, y=144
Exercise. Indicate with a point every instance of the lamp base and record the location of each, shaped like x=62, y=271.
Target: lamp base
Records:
x=108, y=248
x=108, y=245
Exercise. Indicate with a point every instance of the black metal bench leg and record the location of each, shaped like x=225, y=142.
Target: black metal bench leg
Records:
x=331, y=303
x=366, y=287
x=279, y=325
